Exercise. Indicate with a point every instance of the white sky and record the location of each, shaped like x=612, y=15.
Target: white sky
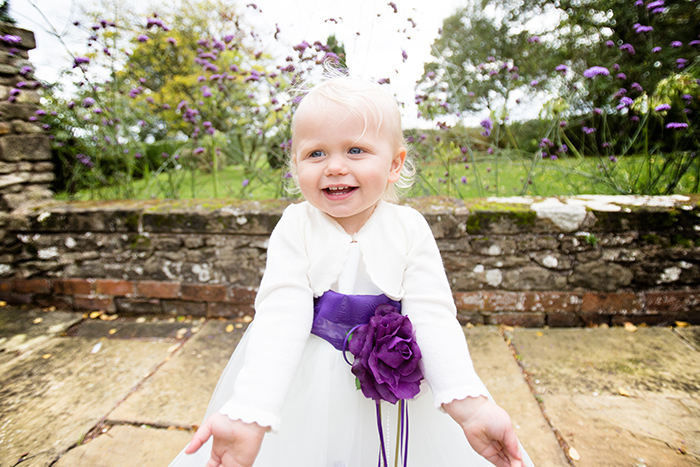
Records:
x=376, y=52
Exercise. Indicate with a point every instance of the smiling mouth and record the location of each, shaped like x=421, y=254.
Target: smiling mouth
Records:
x=339, y=190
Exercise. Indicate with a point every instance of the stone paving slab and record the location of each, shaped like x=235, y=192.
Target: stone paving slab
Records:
x=128, y=446
x=178, y=394
x=139, y=328
x=21, y=329
x=61, y=390
x=690, y=335
x=618, y=397
x=495, y=364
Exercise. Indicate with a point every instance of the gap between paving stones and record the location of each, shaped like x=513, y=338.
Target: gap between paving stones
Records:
x=507, y=333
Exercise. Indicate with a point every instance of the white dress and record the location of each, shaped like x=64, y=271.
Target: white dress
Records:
x=327, y=422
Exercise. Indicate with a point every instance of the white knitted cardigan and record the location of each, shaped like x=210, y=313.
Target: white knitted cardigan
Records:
x=306, y=253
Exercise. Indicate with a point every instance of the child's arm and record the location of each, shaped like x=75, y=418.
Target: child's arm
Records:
x=236, y=443
x=488, y=429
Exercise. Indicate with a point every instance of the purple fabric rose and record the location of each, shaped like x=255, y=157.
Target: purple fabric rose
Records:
x=386, y=356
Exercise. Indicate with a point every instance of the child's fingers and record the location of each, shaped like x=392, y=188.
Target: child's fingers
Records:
x=512, y=448
x=200, y=437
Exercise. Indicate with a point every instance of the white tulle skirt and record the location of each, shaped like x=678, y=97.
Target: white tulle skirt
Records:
x=327, y=422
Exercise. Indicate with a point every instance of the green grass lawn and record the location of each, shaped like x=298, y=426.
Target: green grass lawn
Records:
x=483, y=176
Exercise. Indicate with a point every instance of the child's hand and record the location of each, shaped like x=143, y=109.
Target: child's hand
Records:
x=236, y=444
x=488, y=429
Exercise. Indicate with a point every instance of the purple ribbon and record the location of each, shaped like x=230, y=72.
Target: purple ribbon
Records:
x=336, y=316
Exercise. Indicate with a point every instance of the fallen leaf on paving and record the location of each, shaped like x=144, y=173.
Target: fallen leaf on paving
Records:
x=229, y=328
x=3, y=303
x=38, y=320
x=682, y=324
x=141, y=320
x=194, y=330
x=507, y=328
x=247, y=319
x=173, y=348
x=540, y=334
x=574, y=455
x=50, y=308
x=181, y=332
x=46, y=356
x=96, y=348
x=112, y=331
x=95, y=314
x=623, y=392
x=239, y=325
x=108, y=317
x=630, y=327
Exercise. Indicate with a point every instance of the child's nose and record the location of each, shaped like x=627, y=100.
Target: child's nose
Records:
x=337, y=165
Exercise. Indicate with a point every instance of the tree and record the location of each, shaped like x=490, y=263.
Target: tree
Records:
x=484, y=59
x=148, y=97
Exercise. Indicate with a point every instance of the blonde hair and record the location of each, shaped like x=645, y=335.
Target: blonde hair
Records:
x=372, y=103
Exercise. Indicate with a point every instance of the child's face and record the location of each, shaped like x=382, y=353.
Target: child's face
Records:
x=343, y=167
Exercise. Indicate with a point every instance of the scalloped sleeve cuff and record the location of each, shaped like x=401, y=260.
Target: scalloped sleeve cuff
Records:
x=475, y=389
x=251, y=415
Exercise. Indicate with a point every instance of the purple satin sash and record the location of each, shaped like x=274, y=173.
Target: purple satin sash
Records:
x=335, y=314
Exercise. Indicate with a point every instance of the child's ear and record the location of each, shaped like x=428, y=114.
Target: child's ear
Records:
x=397, y=165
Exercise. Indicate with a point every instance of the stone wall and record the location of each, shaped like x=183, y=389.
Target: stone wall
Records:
x=517, y=261
x=26, y=170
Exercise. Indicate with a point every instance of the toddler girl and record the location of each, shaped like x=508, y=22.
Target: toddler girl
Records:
x=288, y=396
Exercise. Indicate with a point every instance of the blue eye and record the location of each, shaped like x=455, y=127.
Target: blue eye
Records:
x=316, y=154
x=355, y=151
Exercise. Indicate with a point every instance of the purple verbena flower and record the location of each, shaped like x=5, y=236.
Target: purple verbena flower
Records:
x=626, y=101
x=77, y=61
x=142, y=38
x=676, y=44
x=662, y=107
x=656, y=49
x=11, y=39
x=561, y=68
x=676, y=125
x=655, y=4
x=596, y=71
x=628, y=48
x=642, y=29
